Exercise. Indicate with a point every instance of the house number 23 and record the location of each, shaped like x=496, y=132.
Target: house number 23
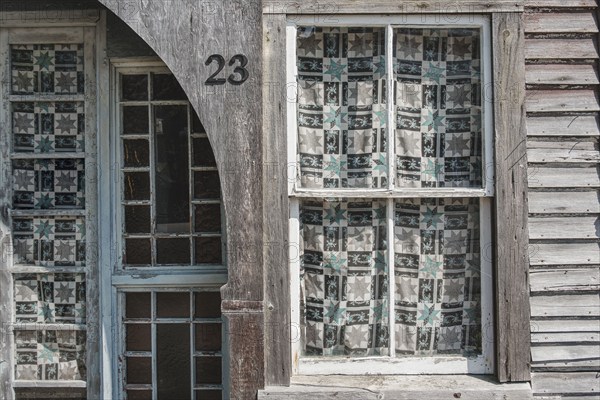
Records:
x=240, y=73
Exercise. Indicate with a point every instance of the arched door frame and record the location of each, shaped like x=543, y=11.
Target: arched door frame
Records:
x=185, y=33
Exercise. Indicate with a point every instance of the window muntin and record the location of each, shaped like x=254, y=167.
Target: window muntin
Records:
x=447, y=100
x=171, y=336
x=170, y=185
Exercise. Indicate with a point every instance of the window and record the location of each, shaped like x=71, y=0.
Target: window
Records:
x=168, y=264
x=47, y=147
x=390, y=208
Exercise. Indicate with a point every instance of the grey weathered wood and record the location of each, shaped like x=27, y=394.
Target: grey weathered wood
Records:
x=546, y=49
x=581, y=22
x=562, y=100
x=276, y=274
x=577, y=125
x=566, y=383
x=389, y=7
x=564, y=202
x=184, y=34
x=565, y=280
x=557, y=331
x=564, y=253
x=576, y=357
x=561, y=152
x=407, y=387
x=511, y=259
x=561, y=74
x=6, y=297
x=543, y=177
x=560, y=3
x=571, y=306
x=564, y=228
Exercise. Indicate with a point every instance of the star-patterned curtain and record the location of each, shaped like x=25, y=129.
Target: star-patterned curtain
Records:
x=342, y=103
x=438, y=107
x=342, y=108
x=49, y=195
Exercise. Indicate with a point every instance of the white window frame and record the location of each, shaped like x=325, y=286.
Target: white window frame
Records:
x=117, y=280
x=438, y=364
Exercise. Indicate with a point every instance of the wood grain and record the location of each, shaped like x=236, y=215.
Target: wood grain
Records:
x=556, y=22
x=564, y=253
x=564, y=202
x=561, y=74
x=564, y=228
x=573, y=125
x=545, y=177
x=579, y=383
x=565, y=280
x=563, y=152
x=389, y=7
x=584, y=100
x=566, y=306
x=511, y=259
x=556, y=49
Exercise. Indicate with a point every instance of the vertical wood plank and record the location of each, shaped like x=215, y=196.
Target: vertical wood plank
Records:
x=511, y=232
x=275, y=220
x=6, y=298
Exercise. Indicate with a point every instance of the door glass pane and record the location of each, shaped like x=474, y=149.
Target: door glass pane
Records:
x=136, y=153
x=137, y=219
x=138, y=337
x=438, y=107
x=166, y=87
x=342, y=107
x=137, y=305
x=135, y=120
x=135, y=87
x=139, y=370
x=173, y=361
x=173, y=305
x=172, y=169
x=173, y=251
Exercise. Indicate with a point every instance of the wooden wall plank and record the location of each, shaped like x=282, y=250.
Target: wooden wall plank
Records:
x=566, y=383
x=389, y=7
x=548, y=49
x=564, y=202
x=564, y=279
x=555, y=22
x=557, y=331
x=543, y=177
x=563, y=152
x=561, y=74
x=570, y=306
x=564, y=228
x=564, y=253
x=562, y=100
x=511, y=259
x=560, y=3
x=577, y=125
x=276, y=274
x=566, y=357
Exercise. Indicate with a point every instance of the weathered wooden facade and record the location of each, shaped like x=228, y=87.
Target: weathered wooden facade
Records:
x=159, y=258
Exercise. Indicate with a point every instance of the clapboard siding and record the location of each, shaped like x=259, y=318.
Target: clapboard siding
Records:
x=582, y=22
x=561, y=74
x=557, y=331
x=565, y=306
x=564, y=358
x=570, y=125
x=557, y=254
x=564, y=227
x=544, y=49
x=565, y=280
x=564, y=203
x=559, y=152
x=584, y=100
x=562, y=80
x=581, y=383
x=542, y=177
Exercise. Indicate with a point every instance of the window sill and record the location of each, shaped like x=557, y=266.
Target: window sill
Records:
x=367, y=387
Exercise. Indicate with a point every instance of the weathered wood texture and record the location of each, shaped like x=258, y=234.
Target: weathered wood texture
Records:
x=184, y=34
x=407, y=387
x=276, y=260
x=389, y=7
x=511, y=258
x=564, y=203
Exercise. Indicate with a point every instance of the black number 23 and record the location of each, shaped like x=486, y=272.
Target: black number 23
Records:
x=240, y=73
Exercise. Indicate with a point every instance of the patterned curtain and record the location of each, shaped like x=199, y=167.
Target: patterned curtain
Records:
x=438, y=107
x=437, y=276
x=344, y=277
x=342, y=109
x=49, y=231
